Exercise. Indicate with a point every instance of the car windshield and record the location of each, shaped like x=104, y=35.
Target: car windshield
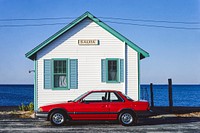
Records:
x=78, y=98
x=130, y=99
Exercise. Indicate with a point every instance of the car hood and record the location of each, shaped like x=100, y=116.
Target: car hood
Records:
x=62, y=105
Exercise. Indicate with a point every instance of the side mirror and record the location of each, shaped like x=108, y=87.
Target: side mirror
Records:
x=83, y=101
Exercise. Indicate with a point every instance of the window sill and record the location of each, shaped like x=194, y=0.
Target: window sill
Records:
x=60, y=89
x=112, y=82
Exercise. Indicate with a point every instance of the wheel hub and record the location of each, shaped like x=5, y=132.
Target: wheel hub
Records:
x=58, y=118
x=127, y=118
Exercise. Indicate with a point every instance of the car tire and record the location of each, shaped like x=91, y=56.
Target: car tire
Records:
x=127, y=118
x=58, y=118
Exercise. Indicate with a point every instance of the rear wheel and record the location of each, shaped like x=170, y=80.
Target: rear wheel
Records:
x=127, y=118
x=58, y=118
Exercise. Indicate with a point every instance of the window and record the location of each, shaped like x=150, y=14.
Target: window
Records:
x=60, y=74
x=96, y=97
x=130, y=99
x=115, y=98
x=112, y=70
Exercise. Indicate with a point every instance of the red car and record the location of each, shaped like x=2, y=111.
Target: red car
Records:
x=95, y=105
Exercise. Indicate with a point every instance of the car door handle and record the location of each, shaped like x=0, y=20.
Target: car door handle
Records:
x=104, y=106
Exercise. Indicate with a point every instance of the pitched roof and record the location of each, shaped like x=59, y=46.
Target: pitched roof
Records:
x=31, y=54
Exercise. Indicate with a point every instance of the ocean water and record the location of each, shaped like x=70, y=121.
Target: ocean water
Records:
x=15, y=95
x=183, y=95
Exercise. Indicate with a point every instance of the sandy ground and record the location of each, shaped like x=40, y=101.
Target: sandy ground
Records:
x=16, y=114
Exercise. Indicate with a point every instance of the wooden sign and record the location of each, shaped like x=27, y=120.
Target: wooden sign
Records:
x=88, y=42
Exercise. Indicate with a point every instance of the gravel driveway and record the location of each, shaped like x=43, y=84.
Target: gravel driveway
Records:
x=145, y=125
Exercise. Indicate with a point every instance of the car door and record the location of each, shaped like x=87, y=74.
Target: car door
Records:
x=92, y=107
x=116, y=103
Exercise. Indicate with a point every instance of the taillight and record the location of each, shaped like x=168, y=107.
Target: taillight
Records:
x=148, y=108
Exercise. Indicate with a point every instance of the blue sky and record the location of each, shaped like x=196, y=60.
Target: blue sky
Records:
x=173, y=53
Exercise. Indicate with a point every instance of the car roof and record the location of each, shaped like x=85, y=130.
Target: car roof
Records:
x=104, y=91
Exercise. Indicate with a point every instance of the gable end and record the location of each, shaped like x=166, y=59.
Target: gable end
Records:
x=31, y=54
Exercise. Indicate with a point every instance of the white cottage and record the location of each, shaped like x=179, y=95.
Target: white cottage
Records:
x=85, y=55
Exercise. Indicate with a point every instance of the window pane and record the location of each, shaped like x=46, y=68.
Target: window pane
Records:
x=112, y=70
x=60, y=66
x=60, y=81
x=64, y=67
x=115, y=98
x=95, y=97
x=55, y=67
x=130, y=99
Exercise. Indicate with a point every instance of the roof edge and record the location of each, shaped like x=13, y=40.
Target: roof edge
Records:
x=32, y=52
x=119, y=36
x=56, y=35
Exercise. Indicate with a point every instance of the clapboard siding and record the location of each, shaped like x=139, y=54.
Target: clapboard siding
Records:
x=89, y=61
x=132, y=74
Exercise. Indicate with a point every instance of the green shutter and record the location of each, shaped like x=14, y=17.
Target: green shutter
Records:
x=73, y=74
x=47, y=74
x=121, y=70
x=103, y=70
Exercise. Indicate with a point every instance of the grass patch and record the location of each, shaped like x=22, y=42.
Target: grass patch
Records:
x=29, y=107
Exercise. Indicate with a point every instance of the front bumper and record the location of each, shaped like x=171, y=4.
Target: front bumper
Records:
x=41, y=114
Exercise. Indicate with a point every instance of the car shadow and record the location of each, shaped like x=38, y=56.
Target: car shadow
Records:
x=161, y=110
x=166, y=120
x=174, y=115
x=141, y=122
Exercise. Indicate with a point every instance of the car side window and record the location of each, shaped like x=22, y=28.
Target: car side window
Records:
x=96, y=97
x=115, y=98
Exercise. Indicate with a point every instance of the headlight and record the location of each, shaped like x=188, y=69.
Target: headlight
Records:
x=40, y=110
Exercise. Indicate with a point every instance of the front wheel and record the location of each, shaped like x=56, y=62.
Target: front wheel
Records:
x=127, y=118
x=58, y=118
